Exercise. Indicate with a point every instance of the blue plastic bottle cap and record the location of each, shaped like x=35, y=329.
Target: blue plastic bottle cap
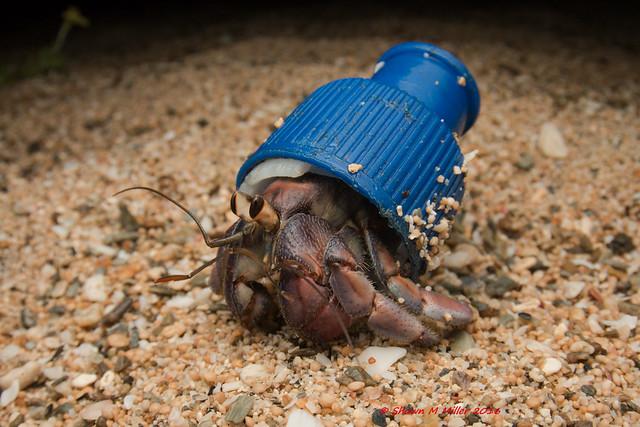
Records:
x=392, y=138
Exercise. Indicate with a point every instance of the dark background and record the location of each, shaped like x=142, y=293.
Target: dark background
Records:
x=119, y=26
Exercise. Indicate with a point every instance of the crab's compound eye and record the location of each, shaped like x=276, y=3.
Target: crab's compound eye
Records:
x=256, y=206
x=264, y=214
x=240, y=206
x=233, y=203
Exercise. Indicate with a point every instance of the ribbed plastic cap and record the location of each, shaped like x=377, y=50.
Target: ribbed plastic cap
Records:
x=398, y=126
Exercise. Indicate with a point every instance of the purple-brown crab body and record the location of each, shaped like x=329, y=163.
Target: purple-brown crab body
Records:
x=317, y=254
x=331, y=204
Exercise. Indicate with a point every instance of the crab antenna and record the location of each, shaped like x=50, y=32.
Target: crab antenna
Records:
x=178, y=277
x=289, y=266
x=211, y=243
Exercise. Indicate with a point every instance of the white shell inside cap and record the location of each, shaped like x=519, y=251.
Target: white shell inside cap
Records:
x=378, y=67
x=257, y=180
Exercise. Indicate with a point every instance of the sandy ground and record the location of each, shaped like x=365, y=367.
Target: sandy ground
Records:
x=546, y=246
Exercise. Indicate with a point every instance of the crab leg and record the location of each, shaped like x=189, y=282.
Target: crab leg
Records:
x=359, y=298
x=432, y=305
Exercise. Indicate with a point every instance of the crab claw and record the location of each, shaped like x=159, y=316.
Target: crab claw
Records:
x=440, y=307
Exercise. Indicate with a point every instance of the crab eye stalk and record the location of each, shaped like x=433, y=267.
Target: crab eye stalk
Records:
x=263, y=213
x=240, y=206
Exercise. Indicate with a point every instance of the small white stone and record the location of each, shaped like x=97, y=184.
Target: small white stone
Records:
x=253, y=373
x=384, y=357
x=181, y=301
x=324, y=360
x=457, y=422
x=107, y=382
x=61, y=231
x=573, y=289
x=176, y=419
x=231, y=386
x=94, y=288
x=625, y=320
x=301, y=418
x=100, y=249
x=551, y=365
x=9, y=352
x=95, y=410
x=128, y=401
x=84, y=380
x=282, y=374
x=25, y=375
x=9, y=394
x=463, y=256
x=88, y=317
x=85, y=350
x=551, y=142
x=54, y=372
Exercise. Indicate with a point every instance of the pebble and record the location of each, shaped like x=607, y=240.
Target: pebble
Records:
x=551, y=142
x=525, y=162
x=326, y=399
x=17, y=420
x=239, y=409
x=175, y=329
x=122, y=363
x=589, y=390
x=89, y=316
x=573, y=288
x=463, y=256
x=94, y=288
x=253, y=373
x=533, y=402
x=84, y=380
x=456, y=422
x=551, y=365
x=9, y=352
x=461, y=342
x=323, y=359
x=384, y=358
x=96, y=410
x=118, y=340
x=408, y=420
x=461, y=379
x=26, y=318
x=25, y=375
x=181, y=302
x=301, y=418
x=623, y=321
x=578, y=357
x=356, y=385
x=118, y=311
x=54, y=372
x=357, y=373
x=63, y=409
x=503, y=284
x=10, y=393
x=378, y=418
x=621, y=244
x=128, y=401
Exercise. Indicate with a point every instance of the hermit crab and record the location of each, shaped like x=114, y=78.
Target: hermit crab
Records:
x=346, y=204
